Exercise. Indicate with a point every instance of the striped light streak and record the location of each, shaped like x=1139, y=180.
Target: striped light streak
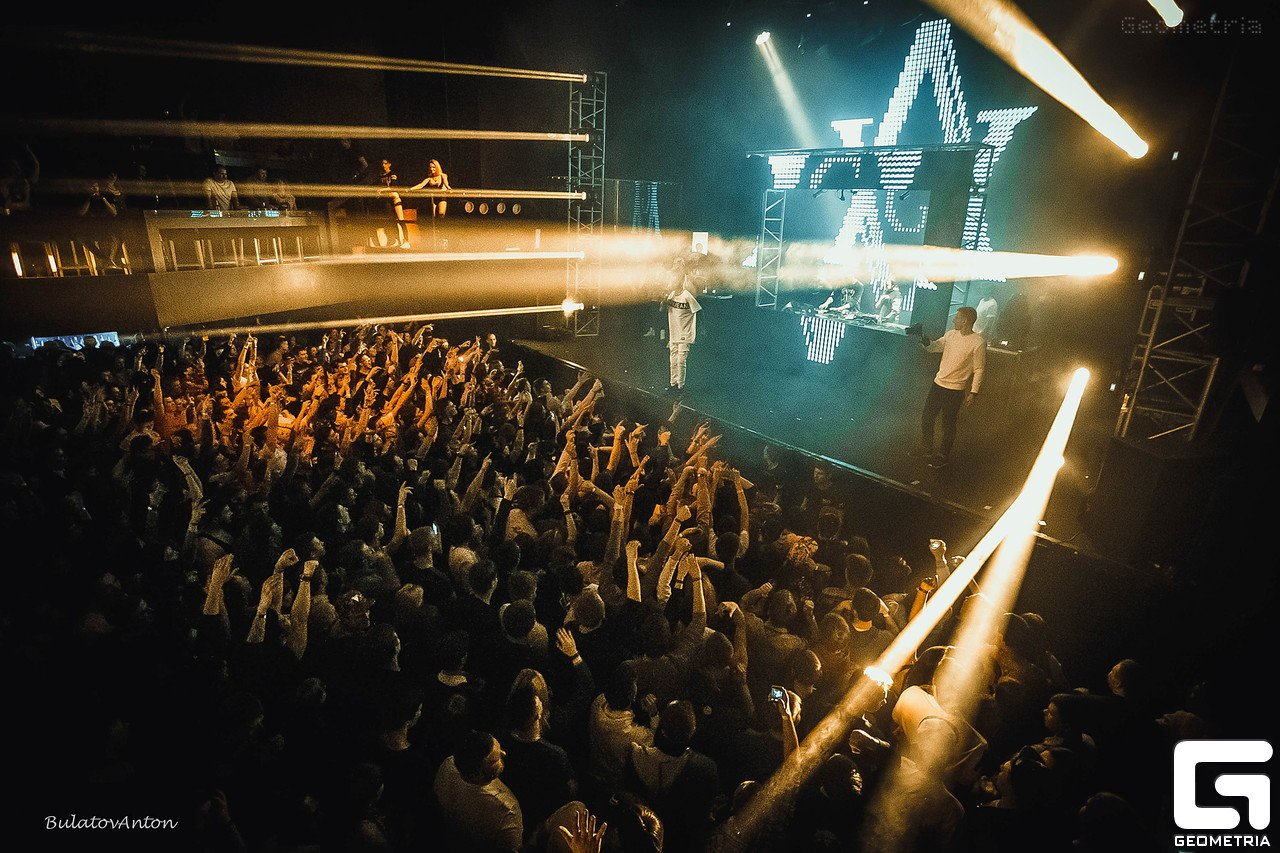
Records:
x=263, y=130
x=283, y=328
x=310, y=190
x=138, y=46
x=448, y=257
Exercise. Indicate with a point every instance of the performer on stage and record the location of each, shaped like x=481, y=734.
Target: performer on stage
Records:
x=889, y=304
x=988, y=311
x=436, y=179
x=388, y=179
x=956, y=384
x=682, y=329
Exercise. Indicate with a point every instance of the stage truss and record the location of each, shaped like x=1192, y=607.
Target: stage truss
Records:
x=586, y=216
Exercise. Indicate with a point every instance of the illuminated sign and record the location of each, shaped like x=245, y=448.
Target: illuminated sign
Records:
x=872, y=212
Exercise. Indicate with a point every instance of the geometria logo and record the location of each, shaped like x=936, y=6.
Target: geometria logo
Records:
x=1253, y=788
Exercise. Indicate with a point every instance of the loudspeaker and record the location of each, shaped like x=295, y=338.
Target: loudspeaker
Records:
x=1150, y=500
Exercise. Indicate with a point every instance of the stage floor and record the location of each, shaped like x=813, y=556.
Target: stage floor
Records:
x=748, y=369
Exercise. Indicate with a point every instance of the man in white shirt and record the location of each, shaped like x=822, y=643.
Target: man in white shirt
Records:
x=988, y=310
x=682, y=330
x=480, y=812
x=956, y=384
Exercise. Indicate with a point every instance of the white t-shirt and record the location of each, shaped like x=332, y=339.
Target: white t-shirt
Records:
x=987, y=310
x=682, y=317
x=964, y=359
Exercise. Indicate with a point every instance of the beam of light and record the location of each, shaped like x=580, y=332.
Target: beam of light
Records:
x=139, y=46
x=310, y=190
x=936, y=263
x=868, y=692
x=807, y=265
x=800, y=123
x=446, y=257
x=264, y=130
x=284, y=328
x=964, y=673
x=1169, y=11
x=1007, y=32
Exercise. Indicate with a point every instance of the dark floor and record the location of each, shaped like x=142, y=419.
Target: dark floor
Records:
x=749, y=369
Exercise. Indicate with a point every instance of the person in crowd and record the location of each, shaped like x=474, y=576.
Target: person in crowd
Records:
x=220, y=191
x=259, y=192
x=480, y=812
x=956, y=384
x=679, y=783
x=17, y=181
x=538, y=772
x=284, y=582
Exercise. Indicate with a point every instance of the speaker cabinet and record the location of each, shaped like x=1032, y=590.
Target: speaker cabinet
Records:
x=1150, y=500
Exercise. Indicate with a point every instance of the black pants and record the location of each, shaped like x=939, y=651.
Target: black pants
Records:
x=946, y=402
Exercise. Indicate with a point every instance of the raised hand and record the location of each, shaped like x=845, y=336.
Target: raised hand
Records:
x=198, y=510
x=585, y=836
x=565, y=643
x=268, y=593
x=221, y=570
x=287, y=560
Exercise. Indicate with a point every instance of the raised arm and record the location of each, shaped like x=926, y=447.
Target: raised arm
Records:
x=221, y=571
x=401, y=532
x=300, y=612
x=615, y=452
x=699, y=623
x=744, y=514
x=633, y=571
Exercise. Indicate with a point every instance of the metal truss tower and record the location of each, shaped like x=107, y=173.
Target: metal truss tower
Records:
x=1175, y=358
x=769, y=248
x=586, y=217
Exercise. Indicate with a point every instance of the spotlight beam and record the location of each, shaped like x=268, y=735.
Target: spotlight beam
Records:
x=867, y=692
x=261, y=130
x=1169, y=11
x=1007, y=32
x=800, y=123
x=957, y=685
x=138, y=46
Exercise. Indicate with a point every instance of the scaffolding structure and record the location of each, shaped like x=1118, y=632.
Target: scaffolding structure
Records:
x=586, y=216
x=1175, y=359
x=769, y=248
